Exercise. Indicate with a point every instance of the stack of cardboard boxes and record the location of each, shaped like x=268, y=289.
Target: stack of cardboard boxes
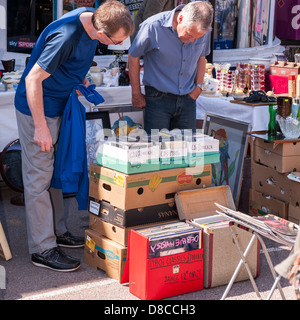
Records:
x=134, y=184
x=153, y=214
x=272, y=191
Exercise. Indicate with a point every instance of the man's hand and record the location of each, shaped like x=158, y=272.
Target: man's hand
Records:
x=86, y=83
x=42, y=137
x=138, y=100
x=195, y=93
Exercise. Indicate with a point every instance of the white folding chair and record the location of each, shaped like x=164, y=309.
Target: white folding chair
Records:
x=258, y=229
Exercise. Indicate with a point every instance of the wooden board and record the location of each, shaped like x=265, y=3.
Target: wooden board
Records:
x=279, y=138
x=197, y=203
x=253, y=104
x=5, y=252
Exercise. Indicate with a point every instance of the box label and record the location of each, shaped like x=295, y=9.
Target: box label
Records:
x=184, y=178
x=154, y=182
x=90, y=243
x=118, y=180
x=176, y=268
x=173, y=245
x=94, y=207
x=175, y=259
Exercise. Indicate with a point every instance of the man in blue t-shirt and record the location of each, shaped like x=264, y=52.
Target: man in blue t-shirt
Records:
x=173, y=45
x=59, y=61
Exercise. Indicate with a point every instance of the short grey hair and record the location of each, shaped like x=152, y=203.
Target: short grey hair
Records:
x=200, y=13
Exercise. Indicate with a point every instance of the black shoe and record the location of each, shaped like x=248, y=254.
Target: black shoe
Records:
x=56, y=260
x=69, y=241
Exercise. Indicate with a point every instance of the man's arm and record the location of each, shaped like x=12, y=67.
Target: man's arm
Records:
x=34, y=90
x=138, y=99
x=199, y=77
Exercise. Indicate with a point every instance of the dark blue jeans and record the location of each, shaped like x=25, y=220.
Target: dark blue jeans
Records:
x=169, y=111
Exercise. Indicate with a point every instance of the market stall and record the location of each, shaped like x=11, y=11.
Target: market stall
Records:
x=152, y=198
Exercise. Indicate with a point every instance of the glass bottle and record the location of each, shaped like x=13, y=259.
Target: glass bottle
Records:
x=298, y=115
x=272, y=122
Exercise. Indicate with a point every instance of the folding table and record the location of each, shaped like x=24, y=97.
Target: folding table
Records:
x=269, y=226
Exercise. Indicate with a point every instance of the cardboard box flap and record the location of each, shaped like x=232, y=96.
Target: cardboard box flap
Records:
x=196, y=203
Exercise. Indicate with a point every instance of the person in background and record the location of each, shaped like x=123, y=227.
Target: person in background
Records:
x=59, y=61
x=150, y=7
x=173, y=45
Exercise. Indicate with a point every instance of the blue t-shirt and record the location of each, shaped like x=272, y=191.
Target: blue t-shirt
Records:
x=169, y=64
x=64, y=50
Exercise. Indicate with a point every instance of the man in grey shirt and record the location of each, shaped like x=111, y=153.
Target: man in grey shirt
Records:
x=173, y=45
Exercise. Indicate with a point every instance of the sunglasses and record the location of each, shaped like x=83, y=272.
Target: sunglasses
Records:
x=115, y=43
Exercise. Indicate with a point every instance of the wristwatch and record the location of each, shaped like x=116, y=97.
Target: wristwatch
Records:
x=199, y=85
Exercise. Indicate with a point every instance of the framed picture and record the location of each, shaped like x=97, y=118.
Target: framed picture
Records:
x=97, y=129
x=233, y=138
x=132, y=119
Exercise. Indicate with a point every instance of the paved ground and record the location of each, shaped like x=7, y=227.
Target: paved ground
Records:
x=25, y=281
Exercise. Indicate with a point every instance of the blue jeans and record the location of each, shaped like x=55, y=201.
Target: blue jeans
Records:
x=168, y=111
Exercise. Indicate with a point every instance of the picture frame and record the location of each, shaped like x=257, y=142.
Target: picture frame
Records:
x=98, y=128
x=233, y=138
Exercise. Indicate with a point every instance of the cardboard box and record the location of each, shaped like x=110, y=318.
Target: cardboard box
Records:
x=221, y=255
x=129, y=157
x=262, y=204
x=193, y=151
x=105, y=254
x=172, y=163
x=175, y=149
x=269, y=181
x=202, y=149
x=294, y=214
x=144, y=189
x=127, y=167
x=190, y=160
x=197, y=159
x=133, y=217
x=294, y=178
x=283, y=149
x=202, y=144
x=283, y=157
x=133, y=152
x=168, y=273
x=284, y=68
x=112, y=231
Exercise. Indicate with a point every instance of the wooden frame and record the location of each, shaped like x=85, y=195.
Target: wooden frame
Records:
x=232, y=135
x=5, y=252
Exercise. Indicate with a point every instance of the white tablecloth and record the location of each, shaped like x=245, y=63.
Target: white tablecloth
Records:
x=257, y=116
x=8, y=122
